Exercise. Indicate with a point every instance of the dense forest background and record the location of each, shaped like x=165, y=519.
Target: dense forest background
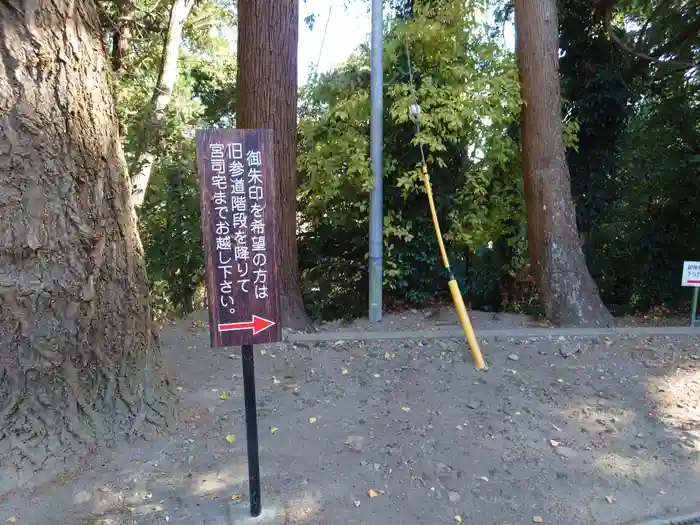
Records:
x=631, y=98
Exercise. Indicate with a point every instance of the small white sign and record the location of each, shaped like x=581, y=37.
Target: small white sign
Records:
x=691, y=274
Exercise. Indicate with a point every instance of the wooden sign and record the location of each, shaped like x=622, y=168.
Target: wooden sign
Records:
x=240, y=208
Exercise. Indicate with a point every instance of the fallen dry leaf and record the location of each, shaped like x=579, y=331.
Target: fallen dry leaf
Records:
x=12, y=519
x=224, y=396
x=236, y=497
x=231, y=438
x=372, y=493
x=458, y=518
x=538, y=519
x=178, y=388
x=273, y=430
x=312, y=420
x=406, y=409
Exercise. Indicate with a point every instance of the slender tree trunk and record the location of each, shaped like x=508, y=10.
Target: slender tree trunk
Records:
x=121, y=40
x=268, y=33
x=160, y=100
x=79, y=359
x=567, y=292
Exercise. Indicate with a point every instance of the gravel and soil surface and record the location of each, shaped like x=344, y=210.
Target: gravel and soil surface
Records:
x=560, y=431
x=435, y=319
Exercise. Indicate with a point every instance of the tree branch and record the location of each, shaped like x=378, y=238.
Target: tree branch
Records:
x=644, y=56
x=688, y=32
x=649, y=20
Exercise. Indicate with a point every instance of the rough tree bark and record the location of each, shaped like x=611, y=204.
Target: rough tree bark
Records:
x=79, y=359
x=162, y=93
x=567, y=292
x=268, y=33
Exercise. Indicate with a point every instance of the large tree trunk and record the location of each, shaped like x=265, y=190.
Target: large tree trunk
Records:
x=567, y=292
x=79, y=359
x=268, y=33
x=162, y=94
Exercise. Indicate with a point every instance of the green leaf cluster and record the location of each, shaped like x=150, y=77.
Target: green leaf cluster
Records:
x=468, y=91
x=203, y=96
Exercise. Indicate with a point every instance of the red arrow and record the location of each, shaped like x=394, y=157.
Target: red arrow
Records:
x=258, y=324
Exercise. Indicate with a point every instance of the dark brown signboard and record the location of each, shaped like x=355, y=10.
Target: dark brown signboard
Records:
x=240, y=208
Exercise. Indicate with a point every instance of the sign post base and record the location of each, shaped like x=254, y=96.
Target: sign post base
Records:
x=273, y=514
x=251, y=426
x=240, y=212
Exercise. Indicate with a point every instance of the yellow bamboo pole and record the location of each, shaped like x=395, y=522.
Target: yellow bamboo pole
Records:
x=452, y=283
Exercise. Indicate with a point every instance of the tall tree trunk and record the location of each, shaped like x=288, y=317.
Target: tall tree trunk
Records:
x=160, y=100
x=567, y=292
x=79, y=359
x=268, y=33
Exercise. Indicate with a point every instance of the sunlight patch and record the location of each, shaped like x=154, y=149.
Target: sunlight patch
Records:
x=676, y=395
x=302, y=509
x=616, y=464
x=217, y=481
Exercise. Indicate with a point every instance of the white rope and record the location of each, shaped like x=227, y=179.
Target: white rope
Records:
x=323, y=41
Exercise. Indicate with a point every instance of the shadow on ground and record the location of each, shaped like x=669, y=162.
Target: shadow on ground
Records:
x=605, y=436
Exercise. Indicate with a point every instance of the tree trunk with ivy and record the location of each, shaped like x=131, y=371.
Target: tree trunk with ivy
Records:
x=268, y=33
x=79, y=358
x=567, y=291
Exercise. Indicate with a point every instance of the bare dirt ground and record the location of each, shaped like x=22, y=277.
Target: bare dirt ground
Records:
x=435, y=319
x=577, y=431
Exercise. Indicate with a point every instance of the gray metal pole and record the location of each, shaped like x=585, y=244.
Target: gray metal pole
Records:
x=376, y=214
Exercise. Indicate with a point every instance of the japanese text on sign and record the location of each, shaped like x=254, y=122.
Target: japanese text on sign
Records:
x=691, y=274
x=219, y=154
x=240, y=206
x=231, y=175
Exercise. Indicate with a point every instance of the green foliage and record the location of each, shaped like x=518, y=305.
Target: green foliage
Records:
x=468, y=91
x=634, y=177
x=652, y=227
x=170, y=226
x=631, y=127
x=203, y=95
x=597, y=96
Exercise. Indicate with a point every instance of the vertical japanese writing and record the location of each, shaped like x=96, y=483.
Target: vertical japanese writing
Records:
x=258, y=245
x=222, y=225
x=239, y=218
x=240, y=209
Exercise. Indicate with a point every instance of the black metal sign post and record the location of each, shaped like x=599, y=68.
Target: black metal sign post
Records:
x=240, y=204
x=251, y=427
